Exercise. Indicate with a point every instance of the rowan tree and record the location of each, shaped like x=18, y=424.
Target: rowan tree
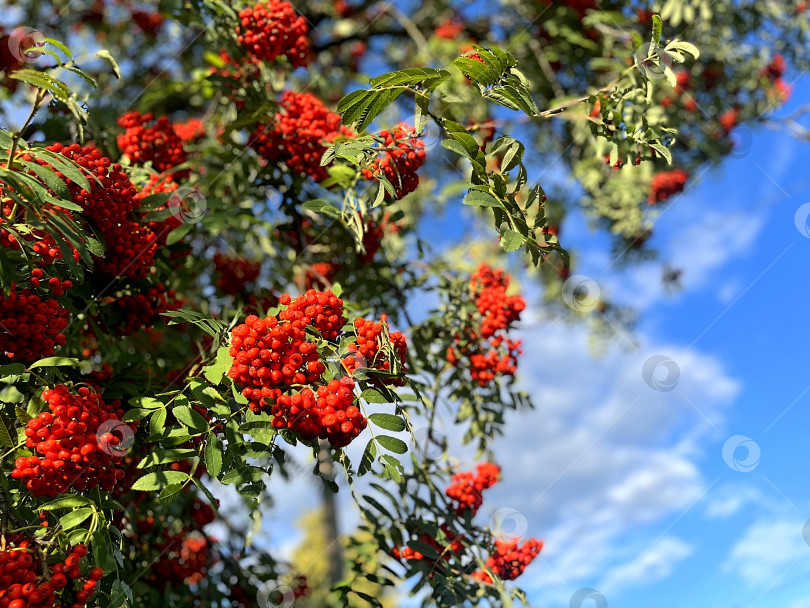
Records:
x=216, y=267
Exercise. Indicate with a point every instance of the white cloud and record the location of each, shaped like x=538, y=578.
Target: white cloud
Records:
x=606, y=462
x=766, y=550
x=652, y=565
x=729, y=500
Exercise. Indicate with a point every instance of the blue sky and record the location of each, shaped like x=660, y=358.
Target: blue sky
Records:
x=637, y=500
x=627, y=485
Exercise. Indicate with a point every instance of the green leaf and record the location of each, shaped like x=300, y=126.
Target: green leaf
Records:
x=137, y=413
x=74, y=518
x=55, y=362
x=215, y=372
x=511, y=240
x=321, y=206
x=392, y=443
x=178, y=233
x=658, y=27
x=158, y=421
x=477, y=198
x=170, y=492
x=12, y=369
x=66, y=502
x=369, y=454
x=389, y=422
x=105, y=54
x=372, y=395
x=421, y=113
x=663, y=151
x=686, y=47
x=5, y=433
x=213, y=455
x=192, y=419
x=243, y=475
x=166, y=456
x=159, y=480
x=61, y=47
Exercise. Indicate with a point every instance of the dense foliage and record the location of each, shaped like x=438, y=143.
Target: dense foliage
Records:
x=215, y=265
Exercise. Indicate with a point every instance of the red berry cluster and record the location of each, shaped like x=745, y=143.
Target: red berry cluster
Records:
x=57, y=286
x=43, y=244
x=141, y=310
x=373, y=237
x=729, y=119
x=272, y=28
x=509, y=560
x=370, y=345
x=143, y=142
x=8, y=62
x=328, y=413
x=30, y=327
x=489, y=352
x=70, y=453
x=402, y=155
x=467, y=487
x=454, y=546
x=499, y=360
x=130, y=250
x=148, y=22
x=110, y=203
x=183, y=559
x=299, y=134
x=190, y=130
x=449, y=29
x=774, y=72
x=666, y=184
x=321, y=274
x=776, y=68
x=273, y=355
x=23, y=584
x=235, y=273
x=498, y=310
